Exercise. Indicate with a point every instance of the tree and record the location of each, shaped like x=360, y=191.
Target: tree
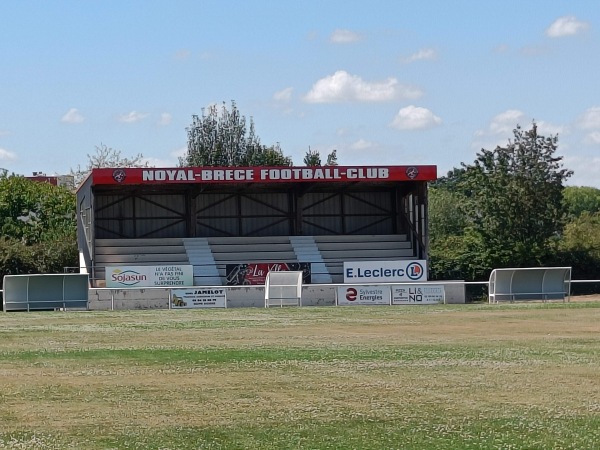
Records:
x=221, y=138
x=106, y=157
x=37, y=225
x=580, y=199
x=312, y=158
x=514, y=197
x=583, y=235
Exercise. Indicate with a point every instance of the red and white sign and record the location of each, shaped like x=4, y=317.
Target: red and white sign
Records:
x=363, y=295
x=256, y=273
x=230, y=175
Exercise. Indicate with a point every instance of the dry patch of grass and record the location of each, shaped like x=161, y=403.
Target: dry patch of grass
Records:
x=502, y=376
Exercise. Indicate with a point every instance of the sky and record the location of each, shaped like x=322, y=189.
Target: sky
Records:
x=382, y=82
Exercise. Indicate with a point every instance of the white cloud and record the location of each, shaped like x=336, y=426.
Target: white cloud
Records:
x=501, y=127
x=586, y=170
x=415, y=118
x=343, y=87
x=182, y=54
x=499, y=130
x=72, y=116
x=590, y=118
x=506, y=122
x=171, y=161
x=361, y=144
x=285, y=95
x=132, y=117
x=424, y=53
x=592, y=138
x=5, y=155
x=340, y=36
x=165, y=119
x=546, y=128
x=566, y=26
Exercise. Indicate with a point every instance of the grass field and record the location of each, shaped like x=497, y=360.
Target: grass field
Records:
x=432, y=377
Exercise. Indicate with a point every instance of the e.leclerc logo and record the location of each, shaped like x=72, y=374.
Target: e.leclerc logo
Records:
x=127, y=277
x=414, y=271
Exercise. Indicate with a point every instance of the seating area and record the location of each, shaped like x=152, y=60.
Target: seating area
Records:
x=210, y=256
x=337, y=249
x=137, y=252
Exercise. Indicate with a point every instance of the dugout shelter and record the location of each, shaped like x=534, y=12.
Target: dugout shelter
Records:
x=217, y=219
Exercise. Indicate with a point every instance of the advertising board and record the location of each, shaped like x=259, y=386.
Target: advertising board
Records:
x=198, y=298
x=418, y=294
x=256, y=273
x=229, y=175
x=149, y=276
x=385, y=271
x=363, y=295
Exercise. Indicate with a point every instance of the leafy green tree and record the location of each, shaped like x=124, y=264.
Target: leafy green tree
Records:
x=105, y=156
x=580, y=199
x=582, y=234
x=447, y=215
x=38, y=227
x=222, y=138
x=514, y=198
x=312, y=158
x=33, y=212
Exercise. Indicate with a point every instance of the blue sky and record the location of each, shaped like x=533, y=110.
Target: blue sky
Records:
x=383, y=82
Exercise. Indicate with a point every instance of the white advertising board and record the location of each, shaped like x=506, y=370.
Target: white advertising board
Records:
x=149, y=276
x=385, y=271
x=418, y=294
x=198, y=298
x=363, y=295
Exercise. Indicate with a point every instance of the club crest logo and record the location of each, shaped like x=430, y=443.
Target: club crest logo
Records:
x=412, y=172
x=119, y=175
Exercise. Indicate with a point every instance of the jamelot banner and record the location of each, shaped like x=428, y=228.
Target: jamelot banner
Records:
x=256, y=273
x=199, y=298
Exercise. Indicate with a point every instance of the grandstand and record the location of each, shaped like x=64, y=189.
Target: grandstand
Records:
x=214, y=218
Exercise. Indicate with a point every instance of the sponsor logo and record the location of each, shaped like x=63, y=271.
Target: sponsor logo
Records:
x=412, y=172
x=351, y=294
x=119, y=175
x=414, y=271
x=127, y=277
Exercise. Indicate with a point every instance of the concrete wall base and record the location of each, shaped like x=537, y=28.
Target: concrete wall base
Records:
x=237, y=297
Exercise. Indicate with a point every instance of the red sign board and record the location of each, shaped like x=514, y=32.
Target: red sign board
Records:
x=231, y=175
x=256, y=273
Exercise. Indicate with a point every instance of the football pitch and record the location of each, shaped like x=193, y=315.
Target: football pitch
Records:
x=510, y=376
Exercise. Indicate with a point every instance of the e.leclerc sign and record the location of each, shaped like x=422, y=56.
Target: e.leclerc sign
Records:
x=385, y=271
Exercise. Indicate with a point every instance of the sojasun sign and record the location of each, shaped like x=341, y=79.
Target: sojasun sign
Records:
x=385, y=271
x=148, y=276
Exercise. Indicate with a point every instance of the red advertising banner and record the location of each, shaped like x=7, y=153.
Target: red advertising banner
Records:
x=256, y=273
x=231, y=175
